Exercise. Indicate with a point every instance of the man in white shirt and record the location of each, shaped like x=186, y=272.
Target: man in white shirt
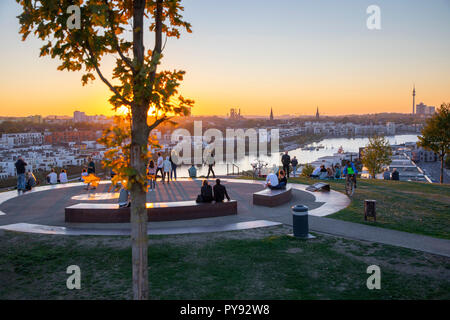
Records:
x=159, y=166
x=210, y=161
x=52, y=177
x=63, y=176
x=316, y=172
x=271, y=179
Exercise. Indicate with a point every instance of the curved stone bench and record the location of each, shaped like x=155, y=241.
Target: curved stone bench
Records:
x=157, y=211
x=272, y=198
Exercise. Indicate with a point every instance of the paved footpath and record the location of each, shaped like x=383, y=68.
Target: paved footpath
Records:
x=375, y=234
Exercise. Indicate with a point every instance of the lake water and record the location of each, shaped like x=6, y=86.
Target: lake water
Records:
x=331, y=146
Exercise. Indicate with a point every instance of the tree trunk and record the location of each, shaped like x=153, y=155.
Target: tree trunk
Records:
x=442, y=169
x=139, y=142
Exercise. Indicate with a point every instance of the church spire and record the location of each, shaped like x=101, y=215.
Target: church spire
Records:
x=271, y=114
x=317, y=113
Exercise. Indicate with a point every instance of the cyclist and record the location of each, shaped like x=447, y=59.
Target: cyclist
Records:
x=350, y=171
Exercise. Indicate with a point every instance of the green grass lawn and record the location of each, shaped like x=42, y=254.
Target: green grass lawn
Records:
x=254, y=264
x=415, y=207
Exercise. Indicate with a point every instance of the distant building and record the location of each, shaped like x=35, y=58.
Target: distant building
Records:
x=70, y=136
x=21, y=139
x=235, y=114
x=271, y=114
x=317, y=113
x=390, y=128
x=57, y=119
x=79, y=116
x=33, y=119
x=419, y=154
x=423, y=109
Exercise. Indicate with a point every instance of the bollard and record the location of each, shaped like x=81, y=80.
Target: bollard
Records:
x=300, y=223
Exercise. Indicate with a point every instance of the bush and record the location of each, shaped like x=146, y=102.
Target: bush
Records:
x=307, y=170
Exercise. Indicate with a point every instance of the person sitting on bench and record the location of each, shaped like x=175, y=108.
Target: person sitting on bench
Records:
x=220, y=192
x=271, y=179
x=315, y=173
x=52, y=177
x=124, y=198
x=206, y=194
x=31, y=181
x=282, y=182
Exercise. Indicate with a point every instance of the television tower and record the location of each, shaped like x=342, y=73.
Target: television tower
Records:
x=414, y=98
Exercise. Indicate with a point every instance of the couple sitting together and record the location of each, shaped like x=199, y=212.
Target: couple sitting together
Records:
x=275, y=182
x=206, y=192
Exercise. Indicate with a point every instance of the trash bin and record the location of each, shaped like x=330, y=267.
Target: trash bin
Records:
x=300, y=223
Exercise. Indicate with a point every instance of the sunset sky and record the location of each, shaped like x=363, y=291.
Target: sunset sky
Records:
x=291, y=55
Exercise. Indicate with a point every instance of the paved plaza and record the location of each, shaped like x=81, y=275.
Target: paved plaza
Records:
x=45, y=205
x=42, y=211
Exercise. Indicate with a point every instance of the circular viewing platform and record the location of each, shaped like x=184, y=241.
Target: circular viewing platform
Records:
x=45, y=206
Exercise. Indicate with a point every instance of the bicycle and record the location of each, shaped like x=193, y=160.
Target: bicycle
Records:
x=350, y=184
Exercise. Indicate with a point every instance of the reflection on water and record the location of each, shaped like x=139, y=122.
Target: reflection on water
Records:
x=331, y=146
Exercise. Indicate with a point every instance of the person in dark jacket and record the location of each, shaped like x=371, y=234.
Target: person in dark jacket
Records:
x=91, y=166
x=282, y=181
x=21, y=180
x=206, y=193
x=294, y=163
x=220, y=192
x=286, y=161
x=173, y=170
x=395, y=175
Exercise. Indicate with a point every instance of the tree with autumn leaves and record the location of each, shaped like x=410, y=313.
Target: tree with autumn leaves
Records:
x=116, y=28
x=376, y=155
x=436, y=135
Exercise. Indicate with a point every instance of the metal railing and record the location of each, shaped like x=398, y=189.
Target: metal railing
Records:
x=233, y=166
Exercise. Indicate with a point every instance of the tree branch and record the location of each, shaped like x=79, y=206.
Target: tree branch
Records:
x=116, y=40
x=157, y=122
x=91, y=56
x=158, y=41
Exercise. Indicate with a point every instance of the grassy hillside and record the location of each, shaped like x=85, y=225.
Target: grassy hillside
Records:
x=253, y=264
x=415, y=207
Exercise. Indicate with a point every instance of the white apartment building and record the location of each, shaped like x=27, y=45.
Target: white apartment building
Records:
x=21, y=139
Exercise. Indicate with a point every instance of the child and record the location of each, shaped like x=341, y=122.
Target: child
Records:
x=151, y=172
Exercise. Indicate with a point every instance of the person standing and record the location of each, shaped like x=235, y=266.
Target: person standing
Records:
x=210, y=161
x=337, y=171
x=151, y=172
x=159, y=166
x=395, y=175
x=20, y=168
x=173, y=170
x=286, y=161
x=167, y=167
x=386, y=174
x=91, y=166
x=294, y=163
